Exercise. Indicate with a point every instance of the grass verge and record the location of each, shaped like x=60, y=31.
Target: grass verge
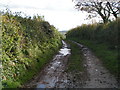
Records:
x=103, y=51
x=75, y=62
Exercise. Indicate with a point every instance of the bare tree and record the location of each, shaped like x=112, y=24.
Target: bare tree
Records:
x=113, y=8
x=104, y=8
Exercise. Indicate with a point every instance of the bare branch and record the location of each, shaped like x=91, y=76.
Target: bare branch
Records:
x=104, y=8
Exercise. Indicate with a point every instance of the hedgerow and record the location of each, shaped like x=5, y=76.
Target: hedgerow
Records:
x=27, y=45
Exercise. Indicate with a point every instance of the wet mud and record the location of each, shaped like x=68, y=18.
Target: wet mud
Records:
x=98, y=75
x=53, y=75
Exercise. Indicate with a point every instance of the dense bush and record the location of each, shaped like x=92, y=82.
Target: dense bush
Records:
x=27, y=44
x=107, y=33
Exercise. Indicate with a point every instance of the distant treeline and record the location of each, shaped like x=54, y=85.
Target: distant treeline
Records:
x=27, y=45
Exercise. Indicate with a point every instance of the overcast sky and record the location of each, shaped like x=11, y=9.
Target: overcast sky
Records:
x=60, y=13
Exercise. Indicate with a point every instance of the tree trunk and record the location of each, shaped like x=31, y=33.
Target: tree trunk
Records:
x=104, y=18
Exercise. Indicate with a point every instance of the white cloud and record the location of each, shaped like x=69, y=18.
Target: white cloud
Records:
x=60, y=13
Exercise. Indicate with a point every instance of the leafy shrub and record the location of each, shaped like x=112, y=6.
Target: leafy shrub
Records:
x=27, y=45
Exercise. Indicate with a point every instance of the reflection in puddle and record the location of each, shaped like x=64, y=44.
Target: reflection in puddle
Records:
x=41, y=86
x=55, y=69
x=64, y=51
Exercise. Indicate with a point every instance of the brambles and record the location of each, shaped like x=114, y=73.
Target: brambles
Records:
x=27, y=45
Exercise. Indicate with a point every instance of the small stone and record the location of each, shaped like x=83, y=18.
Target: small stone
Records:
x=104, y=81
x=100, y=81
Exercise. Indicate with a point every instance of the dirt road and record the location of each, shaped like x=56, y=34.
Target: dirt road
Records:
x=98, y=76
x=54, y=75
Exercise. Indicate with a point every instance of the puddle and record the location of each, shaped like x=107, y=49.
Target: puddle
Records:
x=64, y=51
x=56, y=67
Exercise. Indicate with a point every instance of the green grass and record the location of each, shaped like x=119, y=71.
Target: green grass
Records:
x=75, y=63
x=102, y=39
x=109, y=57
x=10, y=84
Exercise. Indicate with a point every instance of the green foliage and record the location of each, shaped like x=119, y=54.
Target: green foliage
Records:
x=75, y=63
x=103, y=40
x=10, y=84
x=27, y=45
x=107, y=33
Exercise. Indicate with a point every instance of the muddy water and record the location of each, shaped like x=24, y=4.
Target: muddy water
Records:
x=51, y=74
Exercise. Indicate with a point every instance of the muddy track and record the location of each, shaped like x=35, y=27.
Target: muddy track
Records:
x=54, y=74
x=98, y=76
